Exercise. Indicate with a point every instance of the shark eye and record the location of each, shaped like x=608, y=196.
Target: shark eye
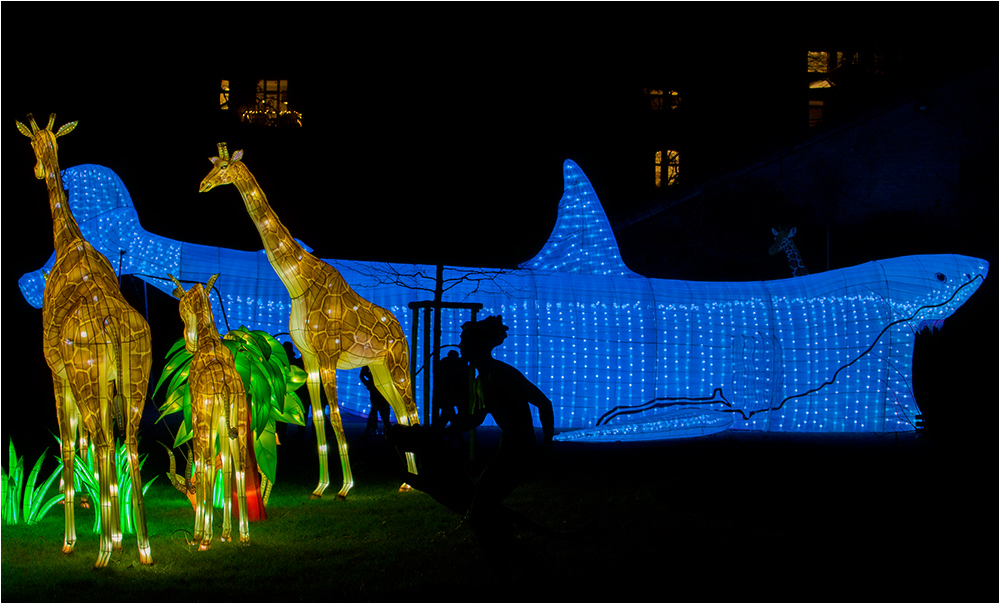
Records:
x=940, y=277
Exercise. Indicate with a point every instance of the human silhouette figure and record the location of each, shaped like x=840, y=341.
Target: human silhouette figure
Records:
x=380, y=406
x=451, y=390
x=503, y=392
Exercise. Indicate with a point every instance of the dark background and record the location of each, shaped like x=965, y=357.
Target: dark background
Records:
x=436, y=134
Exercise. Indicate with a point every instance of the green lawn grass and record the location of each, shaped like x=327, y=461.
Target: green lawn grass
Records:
x=747, y=517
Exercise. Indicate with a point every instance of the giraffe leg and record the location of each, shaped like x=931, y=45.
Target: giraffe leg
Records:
x=102, y=361
x=311, y=363
x=116, y=522
x=329, y=375
x=227, y=477
x=238, y=451
x=238, y=460
x=84, y=449
x=208, y=465
x=138, y=506
x=199, y=480
x=86, y=371
x=68, y=419
x=394, y=386
x=135, y=366
x=104, y=463
x=204, y=422
x=104, y=440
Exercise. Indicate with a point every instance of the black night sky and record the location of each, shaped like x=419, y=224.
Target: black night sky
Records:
x=431, y=133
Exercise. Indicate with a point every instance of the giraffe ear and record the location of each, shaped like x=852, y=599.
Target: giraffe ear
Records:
x=178, y=287
x=211, y=282
x=775, y=231
x=67, y=128
x=238, y=155
x=791, y=233
x=23, y=129
x=213, y=159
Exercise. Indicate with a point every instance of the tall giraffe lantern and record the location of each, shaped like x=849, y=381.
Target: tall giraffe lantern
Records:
x=98, y=349
x=218, y=410
x=331, y=325
x=783, y=243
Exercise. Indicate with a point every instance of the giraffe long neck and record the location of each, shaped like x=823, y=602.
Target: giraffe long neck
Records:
x=284, y=253
x=208, y=335
x=64, y=226
x=794, y=259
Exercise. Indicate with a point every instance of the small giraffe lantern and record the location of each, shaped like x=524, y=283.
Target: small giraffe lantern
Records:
x=98, y=349
x=783, y=243
x=217, y=397
x=331, y=325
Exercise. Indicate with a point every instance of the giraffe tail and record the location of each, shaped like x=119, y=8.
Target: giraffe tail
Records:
x=112, y=328
x=233, y=431
x=181, y=483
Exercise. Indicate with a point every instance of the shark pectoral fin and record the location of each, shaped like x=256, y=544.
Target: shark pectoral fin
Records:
x=673, y=423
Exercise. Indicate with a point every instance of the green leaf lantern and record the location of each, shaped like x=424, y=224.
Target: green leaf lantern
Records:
x=22, y=499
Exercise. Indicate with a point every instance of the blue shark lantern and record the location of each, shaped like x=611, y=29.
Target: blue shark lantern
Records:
x=621, y=356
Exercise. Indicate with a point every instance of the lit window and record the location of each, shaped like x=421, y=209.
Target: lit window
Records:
x=659, y=99
x=671, y=160
x=224, y=95
x=818, y=62
x=273, y=94
x=673, y=99
x=271, y=108
x=655, y=98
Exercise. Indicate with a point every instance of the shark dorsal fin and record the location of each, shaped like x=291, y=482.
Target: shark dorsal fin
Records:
x=582, y=240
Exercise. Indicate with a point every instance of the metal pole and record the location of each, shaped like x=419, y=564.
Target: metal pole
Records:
x=472, y=433
x=413, y=352
x=435, y=351
x=427, y=367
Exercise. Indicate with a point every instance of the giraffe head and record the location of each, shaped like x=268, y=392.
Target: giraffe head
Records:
x=782, y=237
x=43, y=143
x=222, y=172
x=195, y=309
